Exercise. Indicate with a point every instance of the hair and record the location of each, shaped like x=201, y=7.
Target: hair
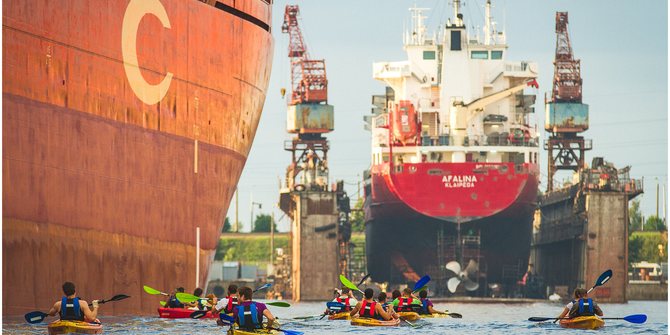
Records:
x=395, y=294
x=407, y=291
x=423, y=294
x=197, y=292
x=180, y=289
x=381, y=297
x=369, y=293
x=345, y=290
x=246, y=292
x=68, y=288
x=232, y=289
x=580, y=292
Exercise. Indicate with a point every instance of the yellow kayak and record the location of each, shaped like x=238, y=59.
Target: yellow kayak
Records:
x=583, y=322
x=340, y=316
x=74, y=327
x=264, y=331
x=434, y=315
x=374, y=322
x=409, y=316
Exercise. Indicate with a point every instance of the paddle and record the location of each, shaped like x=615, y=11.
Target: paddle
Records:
x=362, y=280
x=163, y=303
x=37, y=316
x=279, y=304
x=349, y=284
x=635, y=318
x=601, y=280
x=421, y=283
x=455, y=315
x=153, y=291
x=185, y=297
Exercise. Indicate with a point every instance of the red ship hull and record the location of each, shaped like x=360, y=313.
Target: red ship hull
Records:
x=406, y=209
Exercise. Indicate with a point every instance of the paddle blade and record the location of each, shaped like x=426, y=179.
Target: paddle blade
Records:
x=152, y=290
x=262, y=287
x=539, y=319
x=421, y=283
x=279, y=304
x=115, y=298
x=35, y=317
x=455, y=315
x=163, y=303
x=636, y=318
x=452, y=284
x=289, y=332
x=363, y=280
x=198, y=314
x=348, y=284
x=604, y=278
x=185, y=297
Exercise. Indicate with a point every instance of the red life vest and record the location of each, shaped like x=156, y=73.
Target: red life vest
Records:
x=347, y=307
x=367, y=310
x=404, y=304
x=232, y=302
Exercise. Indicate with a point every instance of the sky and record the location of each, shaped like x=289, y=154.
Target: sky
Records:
x=622, y=45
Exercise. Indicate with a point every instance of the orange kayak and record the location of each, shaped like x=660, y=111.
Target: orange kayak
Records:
x=583, y=322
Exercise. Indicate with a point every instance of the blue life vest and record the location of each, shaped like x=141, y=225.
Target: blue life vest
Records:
x=247, y=317
x=589, y=304
x=70, y=309
x=582, y=307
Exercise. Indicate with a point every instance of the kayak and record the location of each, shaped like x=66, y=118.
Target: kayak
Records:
x=434, y=315
x=583, y=322
x=235, y=331
x=74, y=327
x=339, y=316
x=409, y=316
x=181, y=313
x=374, y=322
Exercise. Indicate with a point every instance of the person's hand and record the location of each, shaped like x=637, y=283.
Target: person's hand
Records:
x=95, y=304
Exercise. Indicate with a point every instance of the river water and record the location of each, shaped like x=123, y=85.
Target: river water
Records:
x=477, y=319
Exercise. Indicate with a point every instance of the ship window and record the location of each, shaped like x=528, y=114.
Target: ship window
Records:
x=429, y=55
x=479, y=55
x=496, y=54
x=455, y=40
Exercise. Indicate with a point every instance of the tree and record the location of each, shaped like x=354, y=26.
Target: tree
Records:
x=357, y=217
x=263, y=223
x=634, y=217
x=654, y=223
x=226, y=226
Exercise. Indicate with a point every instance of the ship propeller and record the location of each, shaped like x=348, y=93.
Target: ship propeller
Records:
x=465, y=276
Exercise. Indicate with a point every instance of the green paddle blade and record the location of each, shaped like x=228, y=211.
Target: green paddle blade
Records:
x=279, y=304
x=348, y=284
x=152, y=290
x=163, y=303
x=185, y=297
x=636, y=318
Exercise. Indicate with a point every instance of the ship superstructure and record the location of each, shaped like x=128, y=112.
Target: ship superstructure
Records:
x=454, y=153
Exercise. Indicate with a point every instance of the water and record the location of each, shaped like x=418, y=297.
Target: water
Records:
x=477, y=319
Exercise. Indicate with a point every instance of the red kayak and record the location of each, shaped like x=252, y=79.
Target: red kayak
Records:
x=181, y=313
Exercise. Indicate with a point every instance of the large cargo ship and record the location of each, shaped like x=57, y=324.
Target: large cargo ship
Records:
x=454, y=172
x=126, y=125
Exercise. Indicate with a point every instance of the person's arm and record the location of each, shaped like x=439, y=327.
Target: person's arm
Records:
x=431, y=310
x=379, y=310
x=54, y=309
x=599, y=312
x=90, y=315
x=355, y=310
x=271, y=318
x=565, y=312
x=220, y=306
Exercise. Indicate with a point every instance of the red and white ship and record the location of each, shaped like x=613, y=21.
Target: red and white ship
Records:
x=454, y=153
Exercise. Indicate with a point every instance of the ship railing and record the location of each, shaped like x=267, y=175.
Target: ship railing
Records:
x=496, y=139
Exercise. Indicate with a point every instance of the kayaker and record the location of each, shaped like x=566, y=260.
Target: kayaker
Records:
x=581, y=306
x=405, y=302
x=346, y=298
x=75, y=308
x=198, y=303
x=229, y=303
x=368, y=308
x=249, y=314
x=381, y=298
x=395, y=295
x=426, y=304
x=172, y=301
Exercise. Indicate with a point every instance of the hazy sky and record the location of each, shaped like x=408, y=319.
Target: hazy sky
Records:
x=622, y=46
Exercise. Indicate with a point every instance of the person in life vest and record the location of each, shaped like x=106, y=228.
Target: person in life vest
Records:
x=249, y=314
x=426, y=304
x=172, y=301
x=395, y=295
x=381, y=298
x=581, y=306
x=346, y=298
x=368, y=308
x=72, y=308
x=406, y=301
x=200, y=304
x=229, y=303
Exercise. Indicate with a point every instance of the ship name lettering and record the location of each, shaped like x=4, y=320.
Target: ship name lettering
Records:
x=459, y=181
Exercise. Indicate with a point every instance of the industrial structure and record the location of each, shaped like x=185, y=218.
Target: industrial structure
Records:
x=320, y=229
x=581, y=229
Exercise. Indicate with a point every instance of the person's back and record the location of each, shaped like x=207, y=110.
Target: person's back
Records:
x=173, y=302
x=368, y=308
x=347, y=299
x=581, y=306
x=228, y=304
x=405, y=302
x=70, y=307
x=249, y=314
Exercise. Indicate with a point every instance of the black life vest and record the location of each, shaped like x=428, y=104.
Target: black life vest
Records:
x=173, y=302
x=582, y=308
x=368, y=309
x=347, y=306
x=248, y=318
x=424, y=306
x=70, y=309
x=232, y=304
x=404, y=304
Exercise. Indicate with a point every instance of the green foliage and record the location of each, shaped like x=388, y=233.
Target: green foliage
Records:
x=357, y=217
x=654, y=223
x=634, y=217
x=226, y=225
x=248, y=248
x=263, y=223
x=643, y=246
